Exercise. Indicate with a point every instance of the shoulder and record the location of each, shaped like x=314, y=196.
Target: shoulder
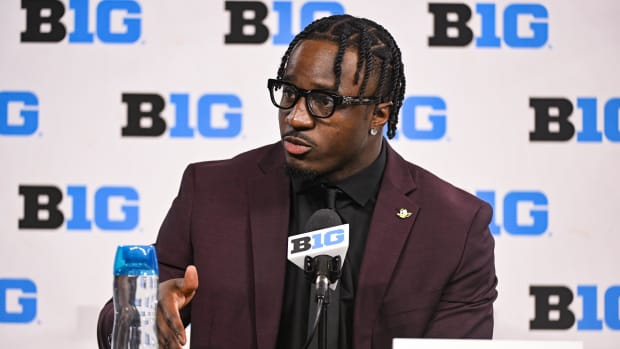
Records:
x=246, y=163
x=231, y=173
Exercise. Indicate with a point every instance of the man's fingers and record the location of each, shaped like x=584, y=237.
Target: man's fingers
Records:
x=187, y=286
x=176, y=330
x=170, y=331
x=174, y=294
x=190, y=281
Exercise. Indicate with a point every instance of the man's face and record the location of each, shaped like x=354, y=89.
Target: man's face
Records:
x=339, y=146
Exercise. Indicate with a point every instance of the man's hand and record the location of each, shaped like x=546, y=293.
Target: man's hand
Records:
x=174, y=294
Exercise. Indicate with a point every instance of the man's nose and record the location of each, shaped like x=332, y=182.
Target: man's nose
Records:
x=299, y=117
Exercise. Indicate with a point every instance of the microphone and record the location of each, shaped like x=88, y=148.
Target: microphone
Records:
x=321, y=250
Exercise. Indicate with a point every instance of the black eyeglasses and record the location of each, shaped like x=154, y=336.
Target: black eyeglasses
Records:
x=320, y=104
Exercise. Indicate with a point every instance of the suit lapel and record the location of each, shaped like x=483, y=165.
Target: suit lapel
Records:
x=386, y=237
x=269, y=218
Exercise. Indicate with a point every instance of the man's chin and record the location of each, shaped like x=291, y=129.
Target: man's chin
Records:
x=304, y=174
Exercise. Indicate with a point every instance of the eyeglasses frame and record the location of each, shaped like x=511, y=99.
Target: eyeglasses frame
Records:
x=338, y=99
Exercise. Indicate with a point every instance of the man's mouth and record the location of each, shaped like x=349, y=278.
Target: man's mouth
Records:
x=296, y=146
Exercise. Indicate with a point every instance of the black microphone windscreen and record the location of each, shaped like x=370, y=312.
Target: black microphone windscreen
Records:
x=323, y=218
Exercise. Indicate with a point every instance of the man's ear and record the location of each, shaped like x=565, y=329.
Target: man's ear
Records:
x=381, y=114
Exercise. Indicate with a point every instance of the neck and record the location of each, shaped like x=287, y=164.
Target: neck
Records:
x=343, y=174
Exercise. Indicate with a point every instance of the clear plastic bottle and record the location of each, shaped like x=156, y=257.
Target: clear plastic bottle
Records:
x=136, y=285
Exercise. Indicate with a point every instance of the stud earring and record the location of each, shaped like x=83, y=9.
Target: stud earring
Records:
x=373, y=131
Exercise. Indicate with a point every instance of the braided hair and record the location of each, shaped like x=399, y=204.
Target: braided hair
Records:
x=374, y=44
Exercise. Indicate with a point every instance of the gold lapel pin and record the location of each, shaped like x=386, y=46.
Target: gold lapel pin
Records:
x=403, y=213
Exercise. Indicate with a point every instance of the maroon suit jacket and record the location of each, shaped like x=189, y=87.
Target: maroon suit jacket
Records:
x=429, y=275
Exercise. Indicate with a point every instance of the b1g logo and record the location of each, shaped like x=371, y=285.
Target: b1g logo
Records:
x=451, y=25
x=556, y=300
x=144, y=115
x=551, y=120
x=331, y=241
x=423, y=118
x=523, y=212
x=247, y=20
x=19, y=113
x=115, y=208
x=318, y=240
x=18, y=300
x=43, y=21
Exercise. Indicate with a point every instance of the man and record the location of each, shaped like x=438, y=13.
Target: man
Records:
x=420, y=260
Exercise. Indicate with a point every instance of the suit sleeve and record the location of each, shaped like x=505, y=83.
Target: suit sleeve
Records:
x=466, y=306
x=104, y=325
x=174, y=246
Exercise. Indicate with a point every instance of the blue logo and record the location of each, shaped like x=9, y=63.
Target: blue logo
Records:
x=422, y=118
x=18, y=300
x=27, y=121
x=123, y=215
x=48, y=14
x=248, y=17
x=523, y=212
x=330, y=238
x=218, y=115
x=452, y=27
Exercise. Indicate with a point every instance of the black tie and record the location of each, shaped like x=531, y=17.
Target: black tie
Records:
x=330, y=196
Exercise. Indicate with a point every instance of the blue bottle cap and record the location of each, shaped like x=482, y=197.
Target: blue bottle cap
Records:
x=136, y=260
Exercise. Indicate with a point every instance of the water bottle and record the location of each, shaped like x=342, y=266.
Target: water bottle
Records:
x=136, y=285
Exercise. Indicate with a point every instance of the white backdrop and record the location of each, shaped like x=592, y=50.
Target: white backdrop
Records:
x=62, y=115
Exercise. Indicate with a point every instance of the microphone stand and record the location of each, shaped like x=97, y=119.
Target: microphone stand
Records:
x=324, y=270
x=322, y=291
x=323, y=329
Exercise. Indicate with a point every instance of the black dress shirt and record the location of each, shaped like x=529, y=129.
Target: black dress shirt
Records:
x=355, y=205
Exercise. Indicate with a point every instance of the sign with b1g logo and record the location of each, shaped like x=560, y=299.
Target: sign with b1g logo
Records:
x=331, y=241
x=46, y=21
